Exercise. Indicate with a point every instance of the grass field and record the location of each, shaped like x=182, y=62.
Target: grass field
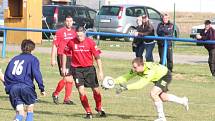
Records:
x=193, y=81
x=179, y=47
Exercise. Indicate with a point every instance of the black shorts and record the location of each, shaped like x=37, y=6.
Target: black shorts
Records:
x=85, y=76
x=22, y=94
x=68, y=64
x=164, y=82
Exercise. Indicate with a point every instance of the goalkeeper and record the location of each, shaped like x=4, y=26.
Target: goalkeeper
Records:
x=151, y=72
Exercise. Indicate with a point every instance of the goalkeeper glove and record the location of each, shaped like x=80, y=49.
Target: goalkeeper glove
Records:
x=121, y=88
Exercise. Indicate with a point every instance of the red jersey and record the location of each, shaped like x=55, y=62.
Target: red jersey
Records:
x=62, y=37
x=83, y=52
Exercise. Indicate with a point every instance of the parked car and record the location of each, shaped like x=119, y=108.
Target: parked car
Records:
x=54, y=15
x=122, y=18
x=197, y=29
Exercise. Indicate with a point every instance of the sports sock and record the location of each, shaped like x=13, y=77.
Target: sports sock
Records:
x=175, y=99
x=98, y=100
x=159, y=108
x=18, y=117
x=84, y=102
x=68, y=90
x=60, y=86
x=30, y=116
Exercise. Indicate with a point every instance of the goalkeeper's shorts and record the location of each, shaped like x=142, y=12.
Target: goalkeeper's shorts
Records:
x=164, y=82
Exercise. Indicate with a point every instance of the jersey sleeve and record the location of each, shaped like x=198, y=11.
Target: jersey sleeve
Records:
x=144, y=80
x=37, y=74
x=124, y=78
x=94, y=48
x=57, y=38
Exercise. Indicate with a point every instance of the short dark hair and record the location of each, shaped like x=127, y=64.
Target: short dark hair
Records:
x=67, y=16
x=207, y=22
x=80, y=29
x=27, y=46
x=138, y=61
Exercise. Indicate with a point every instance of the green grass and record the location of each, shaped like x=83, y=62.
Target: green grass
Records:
x=179, y=47
x=193, y=81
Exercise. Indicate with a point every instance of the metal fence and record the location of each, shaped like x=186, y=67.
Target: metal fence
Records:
x=165, y=39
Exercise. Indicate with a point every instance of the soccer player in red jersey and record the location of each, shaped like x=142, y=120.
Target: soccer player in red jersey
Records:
x=83, y=51
x=62, y=37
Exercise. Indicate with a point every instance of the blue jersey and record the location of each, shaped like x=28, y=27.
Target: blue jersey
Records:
x=23, y=69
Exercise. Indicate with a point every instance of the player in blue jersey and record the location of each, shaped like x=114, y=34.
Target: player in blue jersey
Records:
x=19, y=76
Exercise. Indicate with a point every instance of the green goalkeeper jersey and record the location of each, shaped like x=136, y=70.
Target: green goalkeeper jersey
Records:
x=152, y=72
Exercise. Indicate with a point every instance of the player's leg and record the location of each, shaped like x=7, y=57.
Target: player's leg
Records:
x=68, y=90
x=92, y=82
x=98, y=100
x=16, y=102
x=173, y=98
x=61, y=82
x=20, y=112
x=155, y=92
x=69, y=83
x=79, y=78
x=30, y=112
x=84, y=102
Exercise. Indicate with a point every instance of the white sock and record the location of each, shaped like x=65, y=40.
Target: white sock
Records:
x=175, y=99
x=159, y=107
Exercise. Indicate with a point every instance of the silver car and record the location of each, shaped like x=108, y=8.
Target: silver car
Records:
x=122, y=19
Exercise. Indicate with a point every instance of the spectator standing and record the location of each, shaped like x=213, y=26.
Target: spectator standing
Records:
x=62, y=37
x=146, y=29
x=84, y=51
x=137, y=41
x=19, y=76
x=208, y=33
x=165, y=29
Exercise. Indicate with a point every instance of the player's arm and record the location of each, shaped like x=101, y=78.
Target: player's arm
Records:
x=99, y=64
x=149, y=76
x=53, y=55
x=55, y=43
x=124, y=78
x=64, y=64
x=37, y=74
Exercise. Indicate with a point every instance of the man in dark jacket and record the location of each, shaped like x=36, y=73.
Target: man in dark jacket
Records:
x=146, y=29
x=208, y=33
x=165, y=29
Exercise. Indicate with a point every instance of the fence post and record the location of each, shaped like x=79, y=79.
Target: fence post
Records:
x=4, y=44
x=165, y=52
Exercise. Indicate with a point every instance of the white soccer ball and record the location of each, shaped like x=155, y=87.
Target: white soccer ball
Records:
x=108, y=82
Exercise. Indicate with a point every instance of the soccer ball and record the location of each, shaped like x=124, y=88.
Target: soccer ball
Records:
x=108, y=82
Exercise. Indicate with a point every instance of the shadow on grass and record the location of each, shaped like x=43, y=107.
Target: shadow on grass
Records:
x=43, y=101
x=4, y=98
x=109, y=115
x=7, y=109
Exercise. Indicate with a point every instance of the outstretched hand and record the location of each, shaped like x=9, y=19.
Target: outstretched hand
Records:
x=121, y=88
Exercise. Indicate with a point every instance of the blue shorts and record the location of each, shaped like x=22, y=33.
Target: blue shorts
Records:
x=22, y=94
